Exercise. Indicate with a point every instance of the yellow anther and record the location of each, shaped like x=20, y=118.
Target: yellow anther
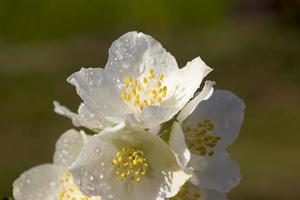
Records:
x=145, y=102
x=149, y=90
x=120, y=159
x=200, y=140
x=128, y=79
x=158, y=84
x=164, y=91
x=154, y=93
x=139, y=87
x=137, y=101
x=145, y=80
x=142, y=106
x=123, y=175
x=151, y=74
x=134, y=162
x=128, y=98
x=115, y=162
x=152, y=101
x=161, y=77
x=133, y=165
x=165, y=88
x=159, y=100
x=124, y=95
x=210, y=127
x=133, y=91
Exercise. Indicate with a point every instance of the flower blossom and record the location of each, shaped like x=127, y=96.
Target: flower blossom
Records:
x=141, y=84
x=122, y=163
x=54, y=181
x=213, y=125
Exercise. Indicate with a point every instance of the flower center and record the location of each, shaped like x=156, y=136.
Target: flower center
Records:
x=199, y=140
x=147, y=90
x=70, y=191
x=130, y=163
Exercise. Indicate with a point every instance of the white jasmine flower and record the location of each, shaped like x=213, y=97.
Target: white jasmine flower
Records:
x=123, y=163
x=213, y=125
x=141, y=83
x=53, y=181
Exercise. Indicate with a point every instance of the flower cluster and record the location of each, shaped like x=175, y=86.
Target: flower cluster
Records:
x=157, y=136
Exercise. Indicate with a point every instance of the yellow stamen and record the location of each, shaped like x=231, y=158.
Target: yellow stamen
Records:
x=133, y=166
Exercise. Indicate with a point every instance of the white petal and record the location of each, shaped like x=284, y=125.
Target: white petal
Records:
x=94, y=171
x=68, y=147
x=134, y=54
x=152, y=116
x=225, y=111
x=84, y=118
x=41, y=182
x=101, y=97
x=218, y=172
x=182, y=84
x=191, y=106
x=178, y=145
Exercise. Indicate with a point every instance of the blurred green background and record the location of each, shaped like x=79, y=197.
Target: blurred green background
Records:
x=253, y=45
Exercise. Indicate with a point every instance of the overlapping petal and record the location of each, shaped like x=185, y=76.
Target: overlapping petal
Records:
x=178, y=144
x=182, y=84
x=218, y=172
x=54, y=181
x=96, y=174
x=68, y=147
x=41, y=182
